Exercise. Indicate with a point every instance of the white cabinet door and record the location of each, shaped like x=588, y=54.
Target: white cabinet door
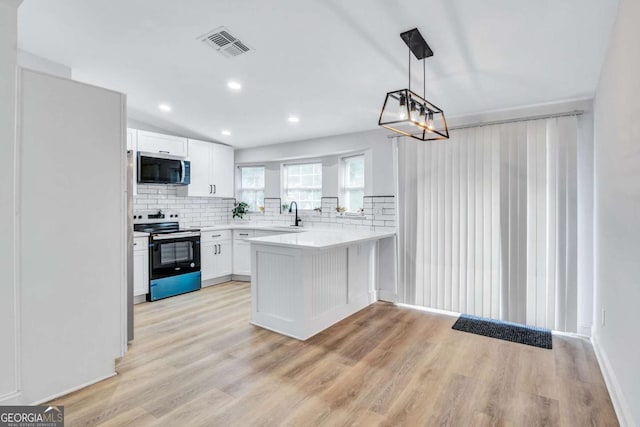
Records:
x=132, y=145
x=140, y=267
x=224, y=259
x=211, y=169
x=132, y=139
x=200, y=155
x=242, y=257
x=151, y=142
x=223, y=170
x=208, y=260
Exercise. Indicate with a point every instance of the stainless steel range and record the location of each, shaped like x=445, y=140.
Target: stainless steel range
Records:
x=174, y=254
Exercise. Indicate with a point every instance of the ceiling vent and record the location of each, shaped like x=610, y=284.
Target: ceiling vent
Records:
x=224, y=42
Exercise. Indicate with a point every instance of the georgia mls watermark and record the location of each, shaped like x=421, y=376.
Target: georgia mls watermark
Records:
x=32, y=416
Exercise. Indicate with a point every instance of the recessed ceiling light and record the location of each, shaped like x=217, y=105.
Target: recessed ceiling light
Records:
x=164, y=107
x=234, y=85
x=294, y=119
x=226, y=132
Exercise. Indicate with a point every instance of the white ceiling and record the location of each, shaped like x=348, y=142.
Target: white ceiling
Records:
x=328, y=61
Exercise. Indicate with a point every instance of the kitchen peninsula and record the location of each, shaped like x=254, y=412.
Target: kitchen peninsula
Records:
x=303, y=283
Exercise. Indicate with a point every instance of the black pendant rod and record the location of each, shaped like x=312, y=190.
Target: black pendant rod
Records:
x=409, y=69
x=424, y=80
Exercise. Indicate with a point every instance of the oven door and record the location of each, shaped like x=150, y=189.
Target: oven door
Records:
x=173, y=254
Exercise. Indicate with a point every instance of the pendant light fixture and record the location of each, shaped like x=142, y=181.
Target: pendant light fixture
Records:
x=408, y=113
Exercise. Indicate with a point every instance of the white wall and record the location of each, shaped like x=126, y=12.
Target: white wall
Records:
x=376, y=144
x=8, y=37
x=585, y=223
x=72, y=273
x=617, y=215
x=44, y=65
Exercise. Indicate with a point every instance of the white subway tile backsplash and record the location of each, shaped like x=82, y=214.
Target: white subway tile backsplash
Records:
x=195, y=211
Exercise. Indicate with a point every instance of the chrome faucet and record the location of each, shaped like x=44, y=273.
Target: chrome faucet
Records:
x=298, y=220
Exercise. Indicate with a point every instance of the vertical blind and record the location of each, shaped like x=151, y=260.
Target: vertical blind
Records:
x=488, y=222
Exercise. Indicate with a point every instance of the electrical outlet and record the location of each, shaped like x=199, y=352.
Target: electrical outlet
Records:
x=377, y=211
x=604, y=316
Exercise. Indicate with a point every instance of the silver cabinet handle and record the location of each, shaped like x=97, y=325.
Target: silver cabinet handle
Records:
x=216, y=235
x=165, y=152
x=215, y=190
x=210, y=189
x=215, y=249
x=219, y=249
x=244, y=234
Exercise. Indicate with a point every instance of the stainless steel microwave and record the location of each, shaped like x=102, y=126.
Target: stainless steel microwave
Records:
x=159, y=168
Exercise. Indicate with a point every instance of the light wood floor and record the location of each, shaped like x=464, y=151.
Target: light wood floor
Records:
x=196, y=361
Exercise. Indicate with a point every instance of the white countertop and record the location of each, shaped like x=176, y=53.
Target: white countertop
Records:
x=249, y=227
x=140, y=234
x=321, y=239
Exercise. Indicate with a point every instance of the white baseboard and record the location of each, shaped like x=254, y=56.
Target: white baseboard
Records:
x=216, y=281
x=584, y=330
x=617, y=397
x=71, y=390
x=139, y=299
x=11, y=399
x=16, y=398
x=387, y=296
x=373, y=297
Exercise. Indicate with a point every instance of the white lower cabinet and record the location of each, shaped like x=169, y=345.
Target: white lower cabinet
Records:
x=242, y=258
x=140, y=266
x=216, y=254
x=242, y=252
x=227, y=252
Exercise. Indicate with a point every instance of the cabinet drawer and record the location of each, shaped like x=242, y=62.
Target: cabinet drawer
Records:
x=243, y=234
x=212, y=236
x=141, y=244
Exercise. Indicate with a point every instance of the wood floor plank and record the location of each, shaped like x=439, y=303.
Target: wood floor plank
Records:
x=197, y=361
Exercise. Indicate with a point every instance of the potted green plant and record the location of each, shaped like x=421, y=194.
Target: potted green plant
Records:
x=240, y=209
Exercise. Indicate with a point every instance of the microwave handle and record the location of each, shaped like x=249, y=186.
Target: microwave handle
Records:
x=182, y=171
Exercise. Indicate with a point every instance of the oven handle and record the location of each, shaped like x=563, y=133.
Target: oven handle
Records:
x=170, y=236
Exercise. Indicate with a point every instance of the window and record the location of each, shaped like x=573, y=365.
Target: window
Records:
x=252, y=186
x=353, y=179
x=302, y=183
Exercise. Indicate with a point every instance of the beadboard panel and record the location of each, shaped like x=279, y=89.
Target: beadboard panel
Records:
x=276, y=270
x=328, y=281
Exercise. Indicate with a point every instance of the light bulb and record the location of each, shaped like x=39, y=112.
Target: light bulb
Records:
x=423, y=115
x=430, y=121
x=413, y=111
x=402, y=112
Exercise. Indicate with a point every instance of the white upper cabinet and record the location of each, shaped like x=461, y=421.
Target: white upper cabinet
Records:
x=211, y=169
x=150, y=142
x=132, y=139
x=223, y=164
x=132, y=145
x=201, y=169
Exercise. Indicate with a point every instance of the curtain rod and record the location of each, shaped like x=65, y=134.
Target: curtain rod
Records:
x=520, y=119
x=515, y=120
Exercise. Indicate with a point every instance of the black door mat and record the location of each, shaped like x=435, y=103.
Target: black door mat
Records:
x=514, y=332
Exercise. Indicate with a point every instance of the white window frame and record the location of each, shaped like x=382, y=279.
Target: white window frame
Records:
x=284, y=179
x=344, y=189
x=241, y=188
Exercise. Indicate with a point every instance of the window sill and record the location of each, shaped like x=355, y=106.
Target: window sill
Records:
x=301, y=212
